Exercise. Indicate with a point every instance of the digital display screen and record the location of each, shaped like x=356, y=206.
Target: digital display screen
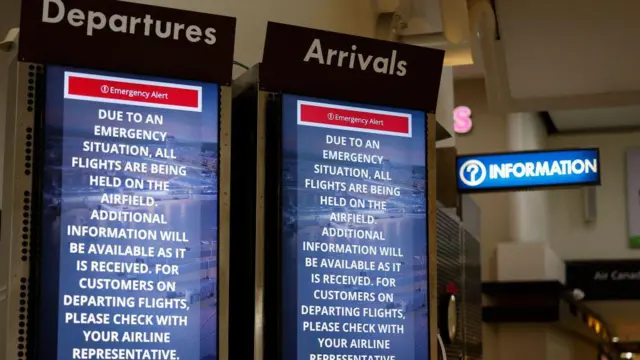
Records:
x=354, y=232
x=530, y=169
x=129, y=217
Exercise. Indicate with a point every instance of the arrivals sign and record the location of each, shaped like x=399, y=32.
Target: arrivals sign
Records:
x=525, y=170
x=128, y=37
x=352, y=68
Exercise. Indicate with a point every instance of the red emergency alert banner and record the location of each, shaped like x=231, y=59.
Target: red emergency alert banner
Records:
x=354, y=119
x=119, y=90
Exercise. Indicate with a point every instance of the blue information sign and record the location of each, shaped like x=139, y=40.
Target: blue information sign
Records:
x=504, y=171
x=354, y=239
x=129, y=217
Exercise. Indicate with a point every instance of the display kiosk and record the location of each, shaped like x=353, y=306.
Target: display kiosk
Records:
x=116, y=184
x=340, y=245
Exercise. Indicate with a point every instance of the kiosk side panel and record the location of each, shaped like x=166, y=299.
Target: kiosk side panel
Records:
x=224, y=215
x=432, y=207
x=16, y=209
x=242, y=223
x=273, y=226
x=261, y=312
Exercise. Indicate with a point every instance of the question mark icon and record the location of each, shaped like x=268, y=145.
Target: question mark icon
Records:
x=472, y=173
x=462, y=120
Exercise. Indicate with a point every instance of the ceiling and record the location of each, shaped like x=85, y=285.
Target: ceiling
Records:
x=596, y=119
x=622, y=316
x=473, y=71
x=576, y=120
x=546, y=68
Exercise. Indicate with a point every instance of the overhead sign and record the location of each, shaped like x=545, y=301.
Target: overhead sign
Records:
x=128, y=37
x=518, y=170
x=332, y=65
x=462, y=123
x=606, y=279
x=354, y=231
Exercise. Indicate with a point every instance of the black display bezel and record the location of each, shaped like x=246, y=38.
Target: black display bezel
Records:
x=36, y=300
x=273, y=335
x=274, y=308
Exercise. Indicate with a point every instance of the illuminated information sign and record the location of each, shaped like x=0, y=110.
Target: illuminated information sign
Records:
x=129, y=248
x=533, y=169
x=354, y=240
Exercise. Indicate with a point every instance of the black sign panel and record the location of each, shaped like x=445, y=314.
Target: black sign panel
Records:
x=605, y=280
x=128, y=37
x=332, y=65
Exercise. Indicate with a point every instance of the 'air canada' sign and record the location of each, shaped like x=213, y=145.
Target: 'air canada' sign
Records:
x=127, y=37
x=332, y=65
x=605, y=279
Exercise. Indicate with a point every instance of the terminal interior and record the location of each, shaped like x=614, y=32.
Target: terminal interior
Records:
x=549, y=273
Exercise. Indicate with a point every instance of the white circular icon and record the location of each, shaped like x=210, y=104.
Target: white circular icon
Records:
x=104, y=89
x=330, y=116
x=472, y=173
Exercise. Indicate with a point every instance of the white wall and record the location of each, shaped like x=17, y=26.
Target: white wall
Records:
x=606, y=237
x=444, y=111
x=354, y=17
x=528, y=209
x=541, y=341
x=4, y=65
x=9, y=18
x=577, y=39
x=570, y=237
x=489, y=134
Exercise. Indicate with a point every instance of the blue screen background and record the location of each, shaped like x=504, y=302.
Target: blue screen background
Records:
x=189, y=206
x=404, y=225
x=528, y=182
